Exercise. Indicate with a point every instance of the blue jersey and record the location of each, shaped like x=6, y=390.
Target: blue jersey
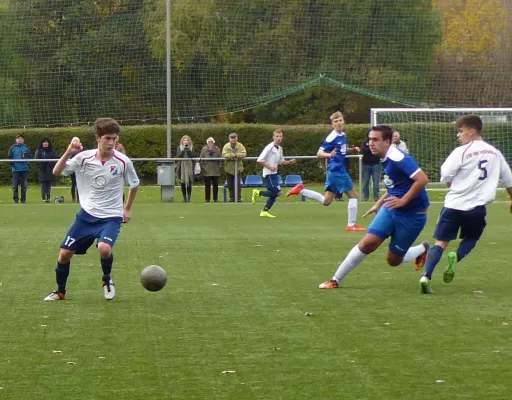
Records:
x=336, y=141
x=399, y=169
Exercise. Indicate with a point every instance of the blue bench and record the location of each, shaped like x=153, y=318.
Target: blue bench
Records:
x=255, y=181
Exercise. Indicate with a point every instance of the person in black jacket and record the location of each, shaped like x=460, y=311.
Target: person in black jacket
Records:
x=45, y=151
x=186, y=168
x=371, y=169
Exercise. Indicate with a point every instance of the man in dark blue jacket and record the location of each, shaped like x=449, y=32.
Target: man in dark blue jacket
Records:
x=19, y=151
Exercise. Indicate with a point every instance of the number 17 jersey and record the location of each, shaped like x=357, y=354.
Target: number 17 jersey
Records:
x=474, y=171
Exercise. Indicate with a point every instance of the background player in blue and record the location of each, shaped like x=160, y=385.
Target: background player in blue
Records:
x=101, y=175
x=334, y=148
x=270, y=158
x=404, y=213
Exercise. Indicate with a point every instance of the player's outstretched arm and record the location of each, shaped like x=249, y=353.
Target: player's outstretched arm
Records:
x=376, y=207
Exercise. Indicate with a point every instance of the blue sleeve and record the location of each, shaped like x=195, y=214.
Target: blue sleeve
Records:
x=408, y=165
x=327, y=146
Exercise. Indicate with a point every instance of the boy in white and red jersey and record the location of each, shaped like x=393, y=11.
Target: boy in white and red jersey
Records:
x=472, y=172
x=101, y=175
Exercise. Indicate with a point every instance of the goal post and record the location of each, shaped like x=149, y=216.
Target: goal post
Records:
x=431, y=136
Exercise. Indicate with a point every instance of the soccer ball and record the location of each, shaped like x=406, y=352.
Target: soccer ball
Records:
x=153, y=278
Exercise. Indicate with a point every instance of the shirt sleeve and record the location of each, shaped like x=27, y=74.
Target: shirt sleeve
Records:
x=409, y=166
x=451, y=166
x=505, y=173
x=130, y=176
x=327, y=146
x=72, y=166
x=263, y=155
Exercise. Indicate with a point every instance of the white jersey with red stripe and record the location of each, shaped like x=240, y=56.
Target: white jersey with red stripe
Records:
x=101, y=184
x=474, y=171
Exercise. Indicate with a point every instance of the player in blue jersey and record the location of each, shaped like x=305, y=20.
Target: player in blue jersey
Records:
x=334, y=148
x=401, y=212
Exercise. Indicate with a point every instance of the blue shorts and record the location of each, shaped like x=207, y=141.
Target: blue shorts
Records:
x=82, y=233
x=404, y=228
x=272, y=183
x=338, y=182
x=471, y=223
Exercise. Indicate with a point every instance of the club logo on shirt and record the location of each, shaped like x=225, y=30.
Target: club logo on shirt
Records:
x=113, y=170
x=100, y=181
x=388, y=182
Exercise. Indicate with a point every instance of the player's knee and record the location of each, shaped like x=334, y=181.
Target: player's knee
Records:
x=65, y=255
x=104, y=249
x=394, y=261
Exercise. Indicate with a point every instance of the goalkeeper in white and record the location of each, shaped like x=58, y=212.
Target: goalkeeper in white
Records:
x=472, y=172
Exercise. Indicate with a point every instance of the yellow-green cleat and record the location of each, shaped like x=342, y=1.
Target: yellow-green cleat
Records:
x=266, y=214
x=450, y=270
x=425, y=287
x=255, y=195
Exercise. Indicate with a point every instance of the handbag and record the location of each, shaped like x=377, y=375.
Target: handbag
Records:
x=197, y=168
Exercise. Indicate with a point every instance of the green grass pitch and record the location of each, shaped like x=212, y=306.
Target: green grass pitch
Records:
x=242, y=296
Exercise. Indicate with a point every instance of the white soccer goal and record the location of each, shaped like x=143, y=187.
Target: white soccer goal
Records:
x=430, y=133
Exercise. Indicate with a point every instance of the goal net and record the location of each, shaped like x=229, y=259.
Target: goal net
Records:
x=431, y=136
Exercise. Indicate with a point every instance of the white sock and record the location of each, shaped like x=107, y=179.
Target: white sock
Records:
x=352, y=211
x=414, y=252
x=311, y=194
x=352, y=260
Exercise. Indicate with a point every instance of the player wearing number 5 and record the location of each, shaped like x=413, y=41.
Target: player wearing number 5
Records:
x=472, y=172
x=101, y=175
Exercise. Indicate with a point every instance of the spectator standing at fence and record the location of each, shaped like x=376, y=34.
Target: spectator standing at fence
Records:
x=233, y=151
x=119, y=147
x=211, y=169
x=334, y=148
x=270, y=159
x=45, y=151
x=371, y=170
x=19, y=151
x=399, y=144
x=186, y=167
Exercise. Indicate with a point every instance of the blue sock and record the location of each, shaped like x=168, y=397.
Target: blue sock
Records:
x=61, y=274
x=434, y=255
x=106, y=266
x=465, y=247
x=270, y=203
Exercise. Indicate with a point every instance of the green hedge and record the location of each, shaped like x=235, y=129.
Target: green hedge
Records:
x=428, y=143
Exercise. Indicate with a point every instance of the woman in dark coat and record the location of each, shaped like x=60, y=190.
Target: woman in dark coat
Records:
x=45, y=151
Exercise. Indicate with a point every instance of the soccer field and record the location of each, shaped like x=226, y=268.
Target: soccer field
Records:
x=242, y=296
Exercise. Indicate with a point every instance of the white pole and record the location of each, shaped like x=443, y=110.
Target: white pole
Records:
x=168, y=57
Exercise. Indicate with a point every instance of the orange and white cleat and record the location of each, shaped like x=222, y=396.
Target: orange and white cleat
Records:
x=419, y=262
x=332, y=284
x=355, y=228
x=295, y=190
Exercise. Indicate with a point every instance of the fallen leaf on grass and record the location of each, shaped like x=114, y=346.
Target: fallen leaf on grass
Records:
x=101, y=358
x=229, y=372
x=308, y=314
x=387, y=323
x=57, y=351
x=477, y=291
x=440, y=381
x=215, y=284
x=44, y=326
x=505, y=323
x=277, y=348
x=71, y=363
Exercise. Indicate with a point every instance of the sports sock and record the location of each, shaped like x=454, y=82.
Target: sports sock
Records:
x=413, y=252
x=311, y=194
x=352, y=260
x=61, y=275
x=106, y=266
x=352, y=211
x=465, y=247
x=434, y=255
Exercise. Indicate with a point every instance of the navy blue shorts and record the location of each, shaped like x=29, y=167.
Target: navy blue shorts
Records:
x=471, y=223
x=272, y=183
x=404, y=229
x=82, y=234
x=338, y=182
